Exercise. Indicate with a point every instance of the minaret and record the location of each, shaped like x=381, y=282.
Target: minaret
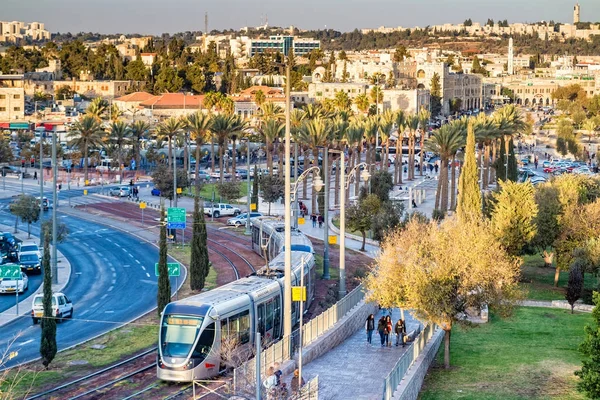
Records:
x=576, y=13
x=511, y=64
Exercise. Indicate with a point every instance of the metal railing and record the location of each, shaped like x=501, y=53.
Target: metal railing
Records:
x=324, y=321
x=310, y=391
x=391, y=382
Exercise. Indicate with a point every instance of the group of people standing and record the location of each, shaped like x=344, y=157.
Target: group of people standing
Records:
x=278, y=390
x=317, y=219
x=385, y=327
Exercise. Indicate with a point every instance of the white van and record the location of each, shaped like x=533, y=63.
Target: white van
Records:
x=62, y=307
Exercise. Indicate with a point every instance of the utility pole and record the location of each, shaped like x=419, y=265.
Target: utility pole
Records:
x=42, y=134
x=54, y=206
x=287, y=286
x=326, y=274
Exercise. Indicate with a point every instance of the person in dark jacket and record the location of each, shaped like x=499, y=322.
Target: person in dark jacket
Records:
x=370, y=327
x=400, y=330
x=388, y=330
x=296, y=385
x=381, y=330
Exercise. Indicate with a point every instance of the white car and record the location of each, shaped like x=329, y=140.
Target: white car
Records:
x=122, y=191
x=242, y=218
x=26, y=247
x=10, y=285
x=62, y=307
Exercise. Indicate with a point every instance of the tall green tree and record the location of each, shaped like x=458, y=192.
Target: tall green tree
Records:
x=513, y=171
x=199, y=263
x=26, y=208
x=163, y=296
x=359, y=217
x=271, y=189
x=168, y=81
x=469, y=195
x=255, y=179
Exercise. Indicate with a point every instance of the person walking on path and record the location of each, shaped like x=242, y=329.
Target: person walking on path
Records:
x=321, y=220
x=388, y=330
x=313, y=218
x=296, y=384
x=381, y=330
x=271, y=384
x=370, y=327
x=400, y=330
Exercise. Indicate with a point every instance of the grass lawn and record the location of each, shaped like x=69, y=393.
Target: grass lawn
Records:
x=120, y=344
x=184, y=255
x=530, y=356
x=539, y=281
x=336, y=223
x=206, y=192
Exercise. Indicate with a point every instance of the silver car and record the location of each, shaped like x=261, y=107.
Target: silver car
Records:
x=11, y=285
x=122, y=191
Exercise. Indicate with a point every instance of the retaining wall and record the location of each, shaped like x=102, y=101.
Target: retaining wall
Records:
x=410, y=386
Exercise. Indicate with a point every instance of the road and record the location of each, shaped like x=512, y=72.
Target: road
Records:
x=112, y=283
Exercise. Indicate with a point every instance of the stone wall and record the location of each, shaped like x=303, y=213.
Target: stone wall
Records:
x=410, y=386
x=343, y=329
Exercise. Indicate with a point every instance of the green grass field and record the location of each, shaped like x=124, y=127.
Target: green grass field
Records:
x=539, y=280
x=206, y=192
x=530, y=356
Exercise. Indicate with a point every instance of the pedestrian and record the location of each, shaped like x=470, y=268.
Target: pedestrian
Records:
x=414, y=204
x=430, y=168
x=320, y=220
x=381, y=330
x=535, y=162
x=436, y=167
x=388, y=330
x=296, y=383
x=400, y=330
x=370, y=327
x=271, y=384
x=313, y=218
x=35, y=175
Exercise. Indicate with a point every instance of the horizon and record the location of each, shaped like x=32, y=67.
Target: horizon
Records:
x=135, y=16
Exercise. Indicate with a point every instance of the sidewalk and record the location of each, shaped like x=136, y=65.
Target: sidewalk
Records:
x=64, y=274
x=355, y=369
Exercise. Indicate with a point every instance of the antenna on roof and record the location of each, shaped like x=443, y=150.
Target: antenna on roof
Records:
x=206, y=23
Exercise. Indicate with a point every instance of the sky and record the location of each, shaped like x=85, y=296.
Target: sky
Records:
x=159, y=16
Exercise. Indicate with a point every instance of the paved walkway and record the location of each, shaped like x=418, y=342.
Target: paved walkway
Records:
x=354, y=369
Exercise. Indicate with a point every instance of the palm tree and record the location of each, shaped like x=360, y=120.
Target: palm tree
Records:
x=138, y=130
x=238, y=127
x=271, y=131
x=97, y=108
x=223, y=126
x=510, y=123
x=120, y=135
x=444, y=142
x=86, y=133
x=412, y=123
x=314, y=111
x=486, y=133
x=401, y=125
x=315, y=133
x=424, y=116
x=590, y=126
x=354, y=138
x=370, y=131
x=362, y=102
x=386, y=123
x=199, y=126
x=271, y=110
x=167, y=130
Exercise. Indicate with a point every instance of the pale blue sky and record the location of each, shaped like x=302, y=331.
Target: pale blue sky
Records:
x=157, y=16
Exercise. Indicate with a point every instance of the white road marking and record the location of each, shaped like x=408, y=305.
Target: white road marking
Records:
x=144, y=268
x=112, y=269
x=103, y=297
x=113, y=282
x=110, y=241
x=105, y=259
x=126, y=266
x=130, y=255
x=95, y=305
x=24, y=343
x=110, y=289
x=92, y=248
x=108, y=312
x=138, y=261
x=118, y=245
x=114, y=274
x=84, y=312
x=78, y=273
x=148, y=275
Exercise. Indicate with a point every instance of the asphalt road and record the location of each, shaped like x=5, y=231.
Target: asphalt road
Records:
x=112, y=282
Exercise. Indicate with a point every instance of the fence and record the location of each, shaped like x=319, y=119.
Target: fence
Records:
x=310, y=390
x=394, y=378
x=324, y=321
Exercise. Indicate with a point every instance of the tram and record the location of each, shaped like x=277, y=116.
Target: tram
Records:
x=268, y=237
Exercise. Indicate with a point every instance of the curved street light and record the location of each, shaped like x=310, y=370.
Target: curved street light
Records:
x=317, y=181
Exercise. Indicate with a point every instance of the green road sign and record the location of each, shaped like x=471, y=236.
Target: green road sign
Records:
x=176, y=218
x=10, y=271
x=174, y=269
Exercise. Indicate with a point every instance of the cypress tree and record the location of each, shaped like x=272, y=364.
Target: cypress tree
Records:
x=196, y=267
x=48, y=340
x=469, y=194
x=164, y=283
x=501, y=162
x=513, y=172
x=589, y=373
x=204, y=261
x=254, y=198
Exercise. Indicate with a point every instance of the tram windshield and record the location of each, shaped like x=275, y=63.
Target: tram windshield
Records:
x=178, y=334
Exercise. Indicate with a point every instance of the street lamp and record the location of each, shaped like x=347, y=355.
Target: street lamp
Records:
x=364, y=175
x=247, y=140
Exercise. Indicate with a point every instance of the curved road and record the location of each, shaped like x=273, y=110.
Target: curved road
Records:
x=112, y=282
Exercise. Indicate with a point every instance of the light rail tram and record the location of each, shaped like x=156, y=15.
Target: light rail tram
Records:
x=192, y=330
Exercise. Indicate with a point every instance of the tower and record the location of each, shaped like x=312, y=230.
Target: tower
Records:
x=576, y=14
x=511, y=64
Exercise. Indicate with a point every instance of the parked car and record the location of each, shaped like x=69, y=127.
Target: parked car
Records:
x=11, y=285
x=62, y=307
x=123, y=191
x=155, y=192
x=30, y=261
x=45, y=202
x=241, y=219
x=220, y=209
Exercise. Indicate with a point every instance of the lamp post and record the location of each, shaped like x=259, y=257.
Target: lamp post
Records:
x=248, y=181
x=345, y=184
x=287, y=282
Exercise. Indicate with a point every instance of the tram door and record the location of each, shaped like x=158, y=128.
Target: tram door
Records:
x=269, y=318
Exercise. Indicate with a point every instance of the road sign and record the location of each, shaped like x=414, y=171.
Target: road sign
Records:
x=176, y=218
x=298, y=293
x=174, y=269
x=179, y=191
x=85, y=192
x=10, y=271
x=252, y=206
x=300, y=221
x=332, y=239
x=142, y=205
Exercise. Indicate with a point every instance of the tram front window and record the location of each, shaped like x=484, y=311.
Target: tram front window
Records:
x=178, y=334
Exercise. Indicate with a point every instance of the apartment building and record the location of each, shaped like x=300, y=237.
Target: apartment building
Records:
x=16, y=30
x=12, y=103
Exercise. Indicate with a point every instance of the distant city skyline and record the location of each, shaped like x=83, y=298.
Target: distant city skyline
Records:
x=160, y=16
